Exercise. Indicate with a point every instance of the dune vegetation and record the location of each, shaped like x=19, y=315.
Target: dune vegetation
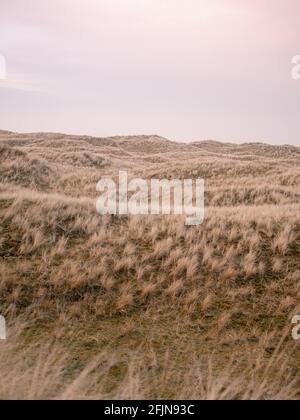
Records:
x=144, y=306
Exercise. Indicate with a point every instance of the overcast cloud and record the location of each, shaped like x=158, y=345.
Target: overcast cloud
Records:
x=185, y=69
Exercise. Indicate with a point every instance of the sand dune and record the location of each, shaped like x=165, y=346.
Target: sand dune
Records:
x=144, y=307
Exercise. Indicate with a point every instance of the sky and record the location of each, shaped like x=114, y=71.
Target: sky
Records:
x=187, y=70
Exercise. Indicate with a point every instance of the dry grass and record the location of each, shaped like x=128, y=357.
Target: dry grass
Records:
x=144, y=307
x=45, y=371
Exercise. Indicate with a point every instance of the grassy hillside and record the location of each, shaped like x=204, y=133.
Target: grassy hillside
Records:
x=144, y=307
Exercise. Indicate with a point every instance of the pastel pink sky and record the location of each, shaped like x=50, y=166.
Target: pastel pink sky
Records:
x=184, y=69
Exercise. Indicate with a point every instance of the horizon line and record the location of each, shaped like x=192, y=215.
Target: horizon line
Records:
x=117, y=136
